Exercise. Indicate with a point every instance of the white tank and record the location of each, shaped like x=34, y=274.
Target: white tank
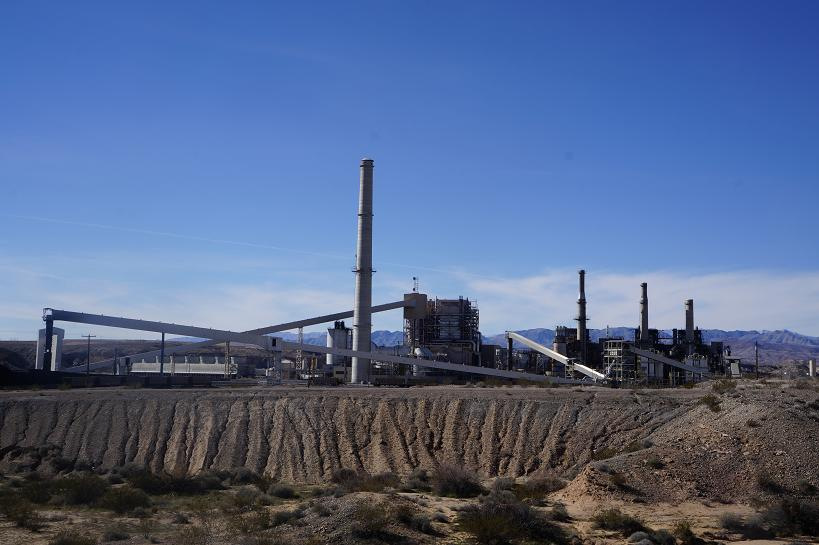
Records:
x=338, y=336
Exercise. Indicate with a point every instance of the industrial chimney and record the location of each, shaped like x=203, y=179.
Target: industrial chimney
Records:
x=689, y=325
x=644, y=314
x=581, y=314
x=362, y=311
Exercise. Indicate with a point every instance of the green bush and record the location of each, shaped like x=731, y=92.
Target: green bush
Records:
x=124, y=499
x=456, y=481
x=501, y=517
x=72, y=538
x=83, y=489
x=616, y=520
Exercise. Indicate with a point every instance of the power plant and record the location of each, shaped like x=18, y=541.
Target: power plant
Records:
x=441, y=342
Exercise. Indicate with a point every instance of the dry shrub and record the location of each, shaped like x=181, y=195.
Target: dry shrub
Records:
x=124, y=499
x=456, y=481
x=72, y=538
x=683, y=532
x=193, y=535
x=371, y=521
x=115, y=533
x=21, y=512
x=419, y=480
x=711, y=401
x=256, y=521
x=282, y=491
x=604, y=453
x=806, y=488
x=82, y=489
x=156, y=484
x=768, y=484
x=415, y=521
x=559, y=513
x=361, y=481
x=616, y=520
x=655, y=463
x=792, y=517
x=285, y=517
x=723, y=386
x=539, y=487
x=501, y=517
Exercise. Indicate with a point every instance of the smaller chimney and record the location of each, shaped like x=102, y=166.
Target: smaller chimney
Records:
x=581, y=314
x=689, y=325
x=644, y=313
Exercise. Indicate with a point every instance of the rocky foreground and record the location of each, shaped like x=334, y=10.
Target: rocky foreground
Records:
x=665, y=445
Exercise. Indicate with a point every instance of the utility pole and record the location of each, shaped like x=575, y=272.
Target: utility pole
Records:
x=227, y=359
x=162, y=357
x=756, y=357
x=300, y=351
x=88, y=360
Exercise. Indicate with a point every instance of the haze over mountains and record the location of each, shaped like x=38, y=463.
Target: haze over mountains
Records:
x=774, y=346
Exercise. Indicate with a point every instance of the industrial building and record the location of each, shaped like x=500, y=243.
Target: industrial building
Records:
x=442, y=341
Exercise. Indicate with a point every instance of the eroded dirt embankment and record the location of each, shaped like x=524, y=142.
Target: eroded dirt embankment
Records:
x=303, y=435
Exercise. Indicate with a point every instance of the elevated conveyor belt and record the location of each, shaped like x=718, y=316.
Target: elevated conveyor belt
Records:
x=668, y=361
x=557, y=356
x=431, y=364
x=188, y=347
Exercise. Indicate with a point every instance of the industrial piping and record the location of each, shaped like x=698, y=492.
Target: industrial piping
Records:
x=581, y=315
x=644, y=314
x=362, y=311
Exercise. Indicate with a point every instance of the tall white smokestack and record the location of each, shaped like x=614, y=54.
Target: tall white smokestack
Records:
x=644, y=313
x=689, y=325
x=362, y=311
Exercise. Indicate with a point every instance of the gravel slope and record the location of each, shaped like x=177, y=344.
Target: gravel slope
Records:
x=303, y=435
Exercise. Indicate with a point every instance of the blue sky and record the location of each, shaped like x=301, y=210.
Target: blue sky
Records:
x=163, y=160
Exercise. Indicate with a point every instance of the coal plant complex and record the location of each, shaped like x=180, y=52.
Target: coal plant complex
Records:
x=442, y=343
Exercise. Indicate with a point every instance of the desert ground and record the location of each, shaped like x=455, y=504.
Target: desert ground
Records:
x=725, y=461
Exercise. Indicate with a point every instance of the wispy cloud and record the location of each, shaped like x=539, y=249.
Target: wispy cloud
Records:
x=255, y=292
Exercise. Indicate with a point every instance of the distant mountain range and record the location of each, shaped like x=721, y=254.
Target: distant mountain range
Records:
x=774, y=346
